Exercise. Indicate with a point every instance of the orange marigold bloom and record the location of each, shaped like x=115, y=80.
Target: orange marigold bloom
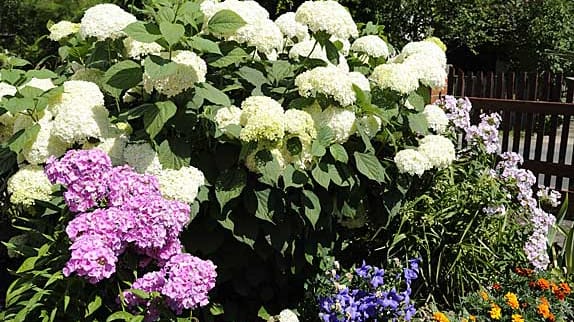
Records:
x=440, y=317
x=512, y=300
x=544, y=308
x=517, y=318
x=495, y=311
x=484, y=295
x=565, y=287
x=543, y=284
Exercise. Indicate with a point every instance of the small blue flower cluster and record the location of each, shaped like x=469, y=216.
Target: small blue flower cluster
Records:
x=361, y=295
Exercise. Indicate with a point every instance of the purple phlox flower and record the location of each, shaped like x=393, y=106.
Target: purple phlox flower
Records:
x=377, y=277
x=364, y=270
x=91, y=258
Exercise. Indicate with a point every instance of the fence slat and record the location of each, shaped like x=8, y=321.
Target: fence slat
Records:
x=506, y=115
x=563, y=146
x=551, y=144
x=518, y=120
x=528, y=136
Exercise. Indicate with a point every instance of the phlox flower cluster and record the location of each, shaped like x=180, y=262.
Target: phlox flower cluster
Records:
x=118, y=209
x=548, y=196
x=536, y=245
x=370, y=294
x=486, y=132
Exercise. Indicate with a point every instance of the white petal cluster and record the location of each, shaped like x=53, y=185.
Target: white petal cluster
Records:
x=45, y=144
x=291, y=28
x=79, y=113
x=341, y=122
x=44, y=84
x=430, y=72
x=262, y=119
x=438, y=149
x=300, y=123
x=138, y=50
x=28, y=184
x=264, y=35
x=181, y=185
x=360, y=80
x=308, y=48
x=328, y=80
x=436, y=118
x=63, y=29
x=412, y=162
x=104, y=21
x=7, y=90
x=372, y=45
x=288, y=316
x=227, y=116
x=143, y=158
x=426, y=48
x=191, y=69
x=328, y=16
x=401, y=78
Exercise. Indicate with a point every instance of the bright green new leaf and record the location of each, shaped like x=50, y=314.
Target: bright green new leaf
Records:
x=225, y=22
x=212, y=94
x=339, y=153
x=205, y=45
x=143, y=32
x=370, y=166
x=171, y=32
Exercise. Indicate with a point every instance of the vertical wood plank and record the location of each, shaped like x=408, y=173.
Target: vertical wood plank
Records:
x=506, y=115
x=499, y=85
x=450, y=81
x=517, y=129
x=511, y=86
x=563, y=146
x=539, y=124
x=490, y=84
x=461, y=83
x=551, y=143
x=528, y=136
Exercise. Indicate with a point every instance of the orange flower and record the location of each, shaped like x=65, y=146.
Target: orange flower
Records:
x=561, y=291
x=472, y=318
x=543, y=284
x=495, y=311
x=544, y=308
x=565, y=287
x=484, y=295
x=512, y=300
x=517, y=318
x=523, y=271
x=440, y=317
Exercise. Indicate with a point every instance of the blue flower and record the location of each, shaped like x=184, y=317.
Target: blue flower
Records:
x=377, y=278
x=364, y=270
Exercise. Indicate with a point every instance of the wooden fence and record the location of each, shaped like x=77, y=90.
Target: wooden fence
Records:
x=536, y=111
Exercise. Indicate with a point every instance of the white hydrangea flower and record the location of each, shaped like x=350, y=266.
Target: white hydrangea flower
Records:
x=138, y=50
x=291, y=28
x=360, y=80
x=104, y=21
x=262, y=119
x=341, y=122
x=44, y=84
x=372, y=45
x=226, y=116
x=7, y=90
x=63, y=29
x=400, y=78
x=77, y=125
x=328, y=16
x=77, y=93
x=254, y=163
x=438, y=149
x=430, y=71
x=249, y=11
x=181, y=185
x=412, y=162
x=264, y=35
x=328, y=80
x=299, y=123
x=288, y=316
x=436, y=118
x=426, y=48
x=143, y=158
x=45, y=144
x=371, y=124
x=303, y=48
x=191, y=69
x=30, y=183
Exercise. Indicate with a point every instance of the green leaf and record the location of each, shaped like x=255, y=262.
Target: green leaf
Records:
x=225, y=22
x=171, y=32
x=418, y=123
x=165, y=14
x=293, y=177
x=264, y=207
x=234, y=56
x=124, y=316
x=294, y=145
x=332, y=52
x=229, y=185
x=27, y=265
x=325, y=136
x=174, y=153
x=93, y=306
x=262, y=313
x=23, y=138
x=280, y=70
x=312, y=207
x=416, y=101
x=19, y=104
x=157, y=67
x=155, y=118
x=317, y=149
x=143, y=32
x=253, y=76
x=124, y=75
x=41, y=73
x=369, y=165
x=215, y=309
x=321, y=174
x=339, y=153
x=205, y=45
x=212, y=94
x=30, y=91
